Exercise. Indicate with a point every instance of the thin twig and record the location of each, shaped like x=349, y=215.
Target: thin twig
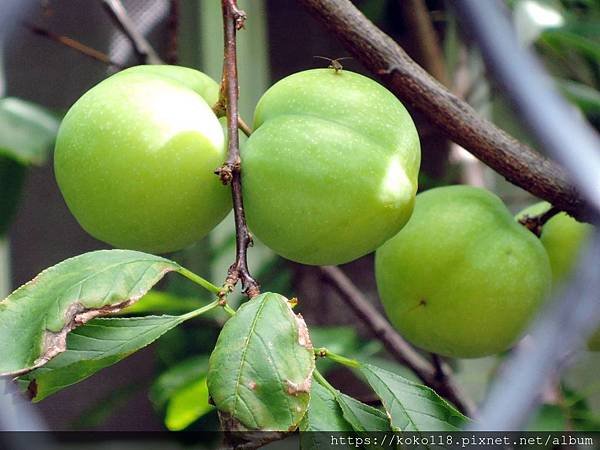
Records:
x=419, y=22
x=535, y=224
x=244, y=127
x=517, y=162
x=90, y=52
x=142, y=48
x=393, y=342
x=230, y=171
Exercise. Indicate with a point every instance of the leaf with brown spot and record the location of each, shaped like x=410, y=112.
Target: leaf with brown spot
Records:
x=36, y=318
x=260, y=371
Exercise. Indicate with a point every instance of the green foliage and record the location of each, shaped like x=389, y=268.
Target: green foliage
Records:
x=36, y=318
x=362, y=417
x=324, y=413
x=187, y=405
x=260, y=370
x=26, y=134
x=26, y=131
x=12, y=176
x=182, y=392
x=98, y=344
x=411, y=406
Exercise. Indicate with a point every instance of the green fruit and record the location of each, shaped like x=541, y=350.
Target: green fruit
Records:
x=462, y=278
x=563, y=238
x=330, y=172
x=135, y=157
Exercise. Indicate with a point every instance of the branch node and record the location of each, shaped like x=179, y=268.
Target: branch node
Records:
x=535, y=224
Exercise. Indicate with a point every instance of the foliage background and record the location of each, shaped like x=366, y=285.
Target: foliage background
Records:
x=280, y=39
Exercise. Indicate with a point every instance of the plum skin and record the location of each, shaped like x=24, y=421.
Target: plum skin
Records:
x=330, y=172
x=135, y=157
x=462, y=279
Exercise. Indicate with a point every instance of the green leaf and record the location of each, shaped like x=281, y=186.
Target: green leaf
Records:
x=176, y=378
x=36, y=318
x=12, y=176
x=259, y=374
x=157, y=302
x=324, y=413
x=363, y=417
x=26, y=131
x=98, y=344
x=411, y=406
x=187, y=405
x=560, y=39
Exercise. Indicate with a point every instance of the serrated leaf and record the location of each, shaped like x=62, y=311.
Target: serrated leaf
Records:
x=26, y=131
x=98, y=344
x=36, y=318
x=324, y=413
x=411, y=406
x=187, y=405
x=363, y=417
x=260, y=371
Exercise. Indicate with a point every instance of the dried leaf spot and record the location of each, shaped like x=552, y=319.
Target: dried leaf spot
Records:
x=298, y=388
x=303, y=336
x=252, y=385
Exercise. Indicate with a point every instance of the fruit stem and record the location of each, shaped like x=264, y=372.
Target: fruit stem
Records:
x=200, y=311
x=230, y=171
x=199, y=280
x=322, y=381
x=535, y=224
x=325, y=353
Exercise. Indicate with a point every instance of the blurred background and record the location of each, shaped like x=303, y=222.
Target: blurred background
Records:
x=163, y=386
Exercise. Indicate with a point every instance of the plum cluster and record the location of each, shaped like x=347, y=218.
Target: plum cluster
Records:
x=329, y=175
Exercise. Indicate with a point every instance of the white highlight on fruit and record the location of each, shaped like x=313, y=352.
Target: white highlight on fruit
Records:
x=396, y=188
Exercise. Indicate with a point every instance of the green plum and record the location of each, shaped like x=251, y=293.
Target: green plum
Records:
x=462, y=279
x=330, y=172
x=135, y=157
x=563, y=237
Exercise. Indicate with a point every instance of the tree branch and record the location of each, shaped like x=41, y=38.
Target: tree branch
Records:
x=417, y=17
x=440, y=381
x=517, y=162
x=90, y=52
x=230, y=172
x=142, y=48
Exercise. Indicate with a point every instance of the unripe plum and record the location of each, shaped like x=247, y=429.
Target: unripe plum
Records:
x=462, y=279
x=135, y=157
x=330, y=172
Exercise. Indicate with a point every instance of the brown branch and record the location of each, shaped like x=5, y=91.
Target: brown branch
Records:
x=73, y=44
x=418, y=19
x=535, y=224
x=230, y=171
x=400, y=350
x=517, y=162
x=142, y=48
